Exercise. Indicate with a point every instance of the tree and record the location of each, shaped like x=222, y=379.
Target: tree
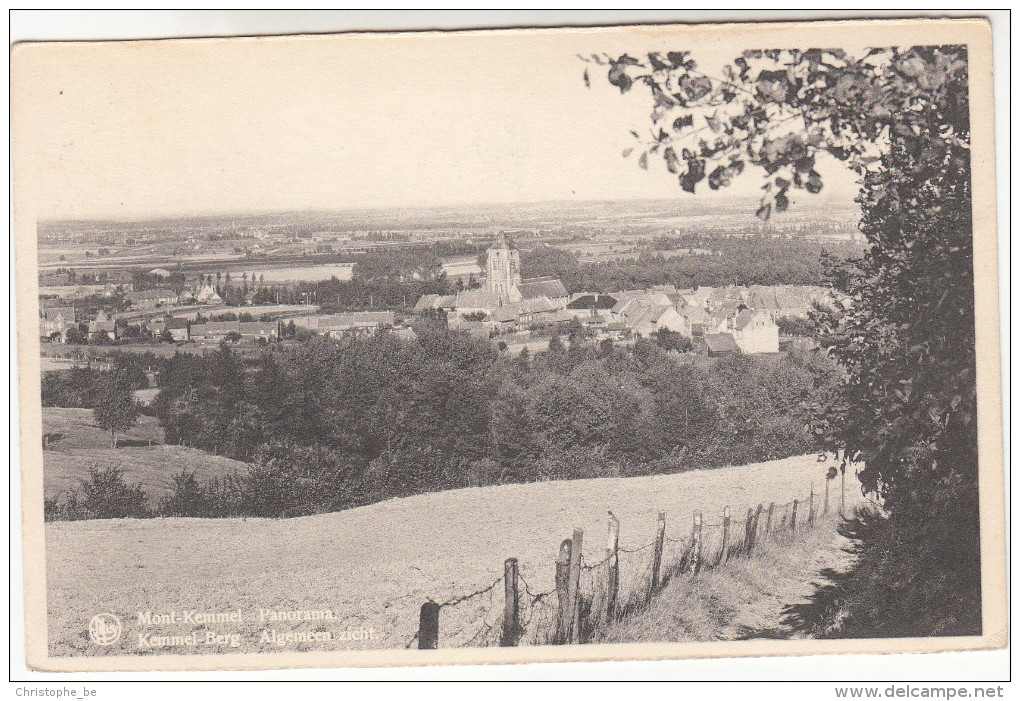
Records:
x=905, y=330
x=116, y=409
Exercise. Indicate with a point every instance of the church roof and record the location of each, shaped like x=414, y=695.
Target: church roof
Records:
x=542, y=287
x=426, y=302
x=479, y=298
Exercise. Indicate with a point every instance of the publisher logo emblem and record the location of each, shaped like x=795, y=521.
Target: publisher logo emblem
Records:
x=104, y=629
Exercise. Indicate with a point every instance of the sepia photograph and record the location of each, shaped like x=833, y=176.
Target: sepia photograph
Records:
x=510, y=345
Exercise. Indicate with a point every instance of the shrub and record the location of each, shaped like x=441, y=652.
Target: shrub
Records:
x=104, y=494
x=187, y=497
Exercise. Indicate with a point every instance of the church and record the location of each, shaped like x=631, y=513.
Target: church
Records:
x=505, y=299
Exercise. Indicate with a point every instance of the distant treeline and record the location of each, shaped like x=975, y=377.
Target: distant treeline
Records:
x=396, y=278
x=734, y=260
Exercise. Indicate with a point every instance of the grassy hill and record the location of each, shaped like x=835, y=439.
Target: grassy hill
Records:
x=374, y=566
x=76, y=444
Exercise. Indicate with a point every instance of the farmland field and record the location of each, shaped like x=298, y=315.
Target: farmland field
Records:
x=77, y=444
x=373, y=566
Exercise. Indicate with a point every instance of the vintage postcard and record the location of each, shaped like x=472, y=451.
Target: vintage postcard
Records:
x=502, y=346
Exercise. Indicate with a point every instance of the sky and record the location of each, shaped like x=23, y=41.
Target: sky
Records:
x=135, y=129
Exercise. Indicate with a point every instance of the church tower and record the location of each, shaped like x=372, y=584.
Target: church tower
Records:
x=503, y=268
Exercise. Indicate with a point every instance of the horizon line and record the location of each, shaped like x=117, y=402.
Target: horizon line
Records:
x=210, y=214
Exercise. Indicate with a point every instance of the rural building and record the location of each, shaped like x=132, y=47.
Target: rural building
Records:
x=255, y=330
x=178, y=328
x=720, y=344
x=103, y=324
x=208, y=295
x=752, y=331
x=150, y=299
x=591, y=302
x=338, y=324
x=214, y=331
x=56, y=322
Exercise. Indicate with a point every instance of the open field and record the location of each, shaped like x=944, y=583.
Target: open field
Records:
x=75, y=429
x=83, y=445
x=372, y=566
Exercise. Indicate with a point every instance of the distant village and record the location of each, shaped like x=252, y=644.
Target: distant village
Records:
x=514, y=313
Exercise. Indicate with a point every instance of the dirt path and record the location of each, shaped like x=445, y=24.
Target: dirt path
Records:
x=748, y=598
x=768, y=616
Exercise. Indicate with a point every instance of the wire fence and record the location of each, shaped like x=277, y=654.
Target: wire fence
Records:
x=591, y=591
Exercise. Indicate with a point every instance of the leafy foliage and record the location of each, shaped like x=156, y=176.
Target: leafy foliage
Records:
x=905, y=330
x=781, y=109
x=115, y=408
x=104, y=494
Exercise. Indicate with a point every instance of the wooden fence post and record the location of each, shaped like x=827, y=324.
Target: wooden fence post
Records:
x=573, y=586
x=660, y=537
x=825, y=510
x=793, y=517
x=811, y=508
x=428, y=626
x=562, y=591
x=511, y=614
x=842, y=492
x=749, y=530
x=723, y=554
x=696, y=544
x=768, y=521
x=613, y=569
x=754, y=531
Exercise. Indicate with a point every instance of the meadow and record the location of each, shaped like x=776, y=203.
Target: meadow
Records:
x=372, y=566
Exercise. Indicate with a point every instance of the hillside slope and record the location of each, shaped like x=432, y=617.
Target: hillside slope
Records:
x=76, y=444
x=374, y=566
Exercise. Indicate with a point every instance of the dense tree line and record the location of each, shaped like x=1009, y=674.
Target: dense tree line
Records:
x=83, y=386
x=329, y=424
x=712, y=261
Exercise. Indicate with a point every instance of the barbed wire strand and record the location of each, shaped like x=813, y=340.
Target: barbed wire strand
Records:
x=636, y=573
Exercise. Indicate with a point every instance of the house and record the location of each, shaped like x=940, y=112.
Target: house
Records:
x=338, y=324
x=720, y=344
x=504, y=317
x=150, y=299
x=179, y=329
x=591, y=302
x=103, y=324
x=648, y=314
x=697, y=319
x=548, y=288
x=56, y=322
x=752, y=331
x=259, y=330
x=154, y=326
x=186, y=297
x=214, y=331
x=426, y=303
x=208, y=295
